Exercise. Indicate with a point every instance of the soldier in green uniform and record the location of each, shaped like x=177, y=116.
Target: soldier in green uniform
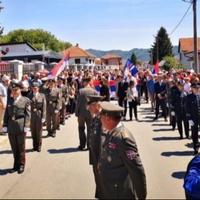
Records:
x=95, y=137
x=38, y=115
x=17, y=121
x=53, y=107
x=120, y=168
x=64, y=100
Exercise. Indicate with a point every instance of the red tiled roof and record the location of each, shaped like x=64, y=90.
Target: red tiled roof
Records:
x=76, y=51
x=186, y=44
x=109, y=56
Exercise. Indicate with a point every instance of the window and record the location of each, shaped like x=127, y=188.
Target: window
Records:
x=77, y=61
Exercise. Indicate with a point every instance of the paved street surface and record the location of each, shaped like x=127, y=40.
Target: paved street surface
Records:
x=60, y=171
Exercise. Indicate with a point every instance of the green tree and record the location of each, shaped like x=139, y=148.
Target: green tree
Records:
x=170, y=62
x=38, y=38
x=133, y=59
x=162, y=46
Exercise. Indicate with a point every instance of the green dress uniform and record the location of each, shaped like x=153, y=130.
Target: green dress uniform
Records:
x=38, y=114
x=120, y=168
x=53, y=107
x=17, y=120
x=64, y=102
x=95, y=143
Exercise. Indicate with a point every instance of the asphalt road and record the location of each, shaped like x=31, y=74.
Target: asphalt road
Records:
x=60, y=171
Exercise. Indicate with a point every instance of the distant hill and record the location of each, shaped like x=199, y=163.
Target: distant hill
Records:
x=142, y=54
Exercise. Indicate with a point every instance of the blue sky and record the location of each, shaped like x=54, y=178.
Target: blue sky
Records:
x=100, y=24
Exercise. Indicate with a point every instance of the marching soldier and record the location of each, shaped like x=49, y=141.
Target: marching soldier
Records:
x=17, y=121
x=38, y=115
x=120, y=167
x=95, y=137
x=84, y=116
x=160, y=96
x=53, y=107
x=179, y=104
x=193, y=114
x=64, y=99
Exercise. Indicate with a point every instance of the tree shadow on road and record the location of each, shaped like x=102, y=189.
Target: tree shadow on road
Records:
x=65, y=150
x=189, y=145
x=177, y=153
x=179, y=175
x=160, y=125
x=4, y=172
x=162, y=129
x=165, y=138
x=10, y=151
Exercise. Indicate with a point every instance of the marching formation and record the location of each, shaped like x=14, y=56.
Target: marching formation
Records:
x=35, y=101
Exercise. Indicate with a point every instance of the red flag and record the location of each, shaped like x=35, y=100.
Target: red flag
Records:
x=59, y=67
x=156, y=68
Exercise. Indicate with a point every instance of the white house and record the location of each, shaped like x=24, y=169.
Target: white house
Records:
x=186, y=50
x=79, y=58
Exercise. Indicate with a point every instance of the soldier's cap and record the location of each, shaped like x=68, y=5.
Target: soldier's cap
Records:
x=111, y=109
x=195, y=85
x=35, y=84
x=93, y=98
x=16, y=84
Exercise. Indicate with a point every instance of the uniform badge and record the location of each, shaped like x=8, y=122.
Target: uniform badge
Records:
x=112, y=145
x=131, y=155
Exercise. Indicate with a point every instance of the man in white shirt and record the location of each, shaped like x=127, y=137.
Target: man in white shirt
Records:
x=3, y=100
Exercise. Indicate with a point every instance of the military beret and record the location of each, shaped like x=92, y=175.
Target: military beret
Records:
x=16, y=84
x=111, y=109
x=35, y=84
x=93, y=98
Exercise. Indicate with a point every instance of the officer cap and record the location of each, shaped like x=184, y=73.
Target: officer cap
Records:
x=16, y=84
x=195, y=85
x=111, y=109
x=93, y=98
x=35, y=84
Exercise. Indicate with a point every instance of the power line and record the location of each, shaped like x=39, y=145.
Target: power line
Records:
x=181, y=20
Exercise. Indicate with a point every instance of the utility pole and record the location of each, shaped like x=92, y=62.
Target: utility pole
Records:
x=196, y=59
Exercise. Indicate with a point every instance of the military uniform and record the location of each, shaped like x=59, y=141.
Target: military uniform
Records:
x=17, y=121
x=53, y=107
x=84, y=115
x=38, y=116
x=193, y=115
x=64, y=101
x=160, y=92
x=95, y=143
x=120, y=168
x=179, y=105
